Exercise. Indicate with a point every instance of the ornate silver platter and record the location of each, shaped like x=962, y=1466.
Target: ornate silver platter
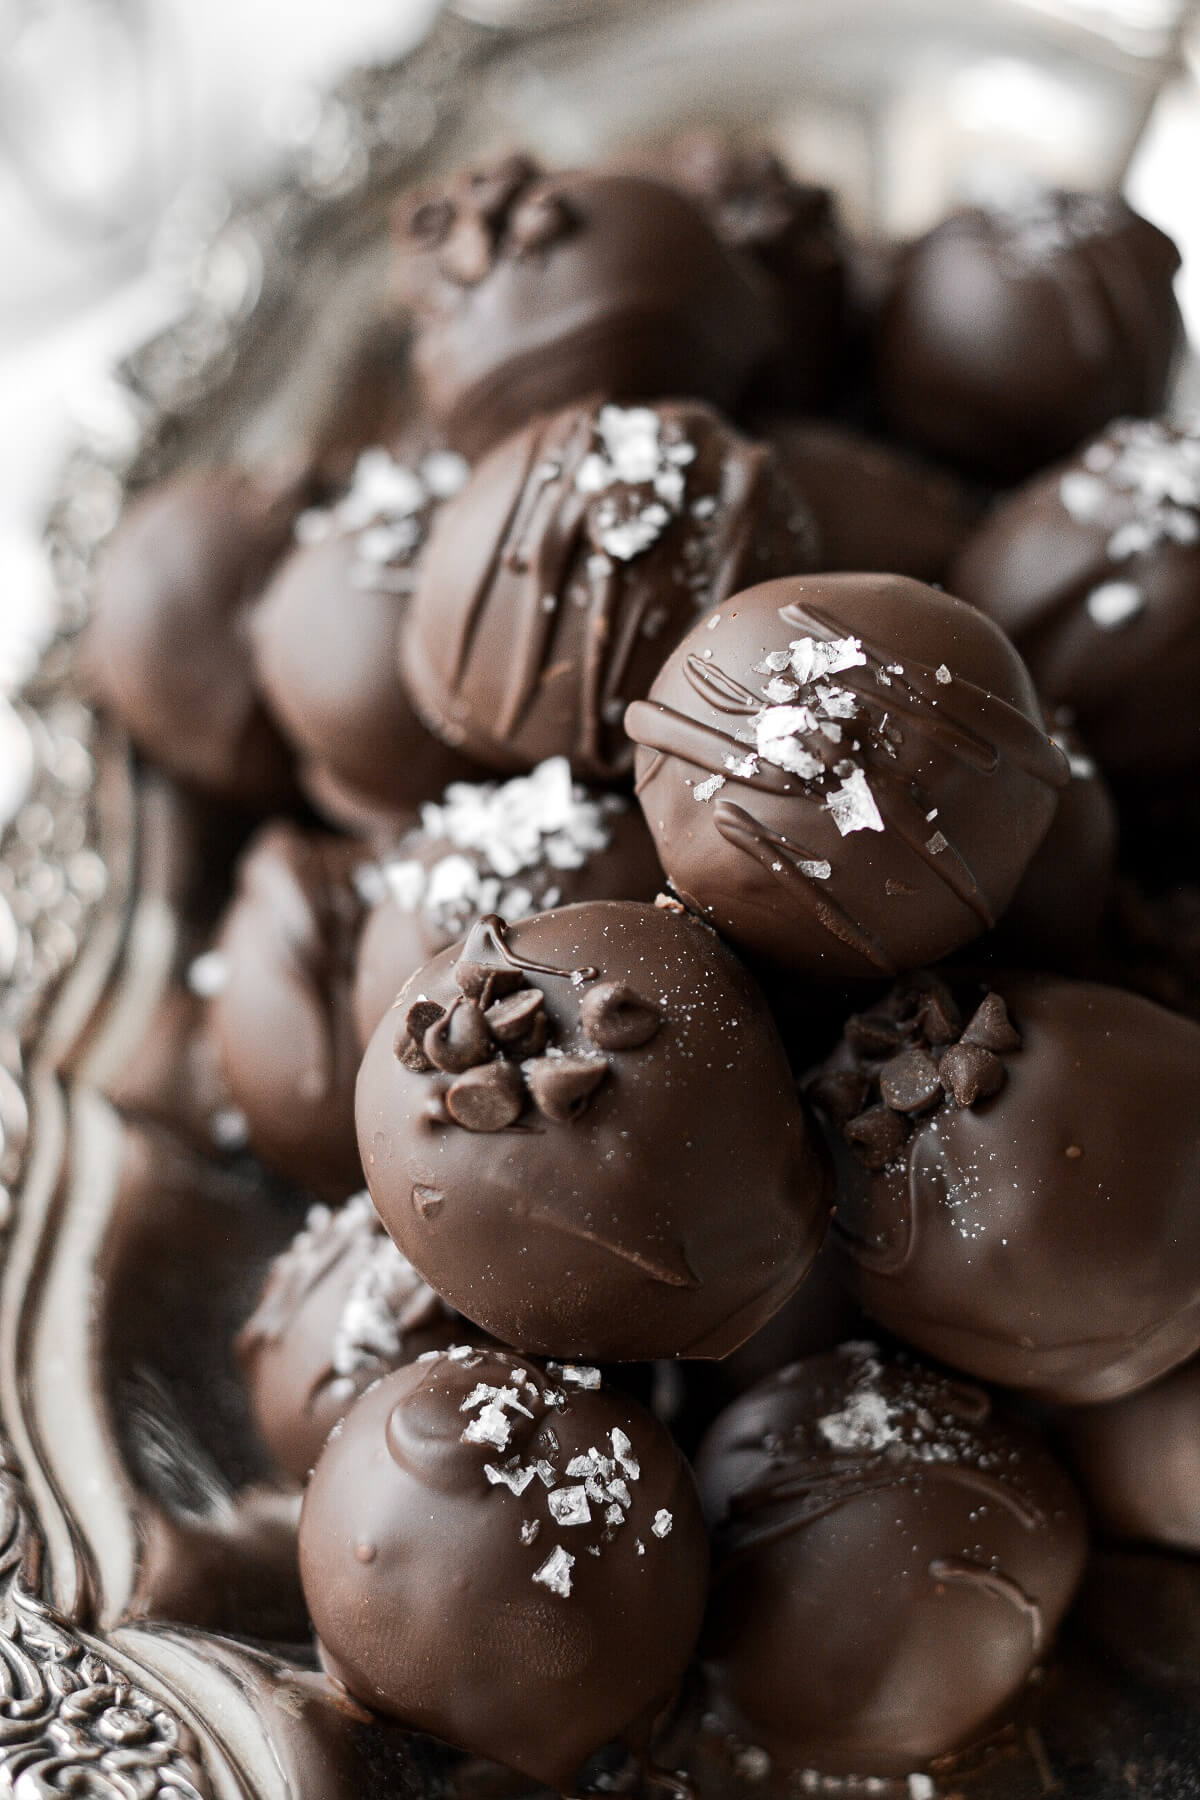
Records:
x=128, y=1253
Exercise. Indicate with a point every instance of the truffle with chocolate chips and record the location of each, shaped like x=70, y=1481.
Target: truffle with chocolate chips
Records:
x=581, y=1130
x=280, y=1003
x=508, y=1557
x=530, y=290
x=341, y=1307
x=577, y=555
x=846, y=774
x=1019, y=1180
x=1093, y=570
x=166, y=647
x=325, y=635
x=886, y=1514
x=514, y=848
x=1010, y=335
x=1138, y=1461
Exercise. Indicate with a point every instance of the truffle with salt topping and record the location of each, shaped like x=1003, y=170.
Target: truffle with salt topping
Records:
x=923, y=1548
x=514, y=848
x=1019, y=1180
x=530, y=290
x=1093, y=570
x=1012, y=334
x=582, y=1131
x=324, y=637
x=846, y=774
x=340, y=1308
x=508, y=1557
x=577, y=555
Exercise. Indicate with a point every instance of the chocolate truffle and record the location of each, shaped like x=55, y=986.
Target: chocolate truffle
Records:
x=1010, y=335
x=510, y=1558
x=876, y=507
x=1093, y=570
x=919, y=1550
x=579, y=552
x=325, y=637
x=166, y=648
x=340, y=1308
x=1019, y=1180
x=1138, y=1461
x=530, y=290
x=581, y=1129
x=846, y=774
x=280, y=1008
x=514, y=848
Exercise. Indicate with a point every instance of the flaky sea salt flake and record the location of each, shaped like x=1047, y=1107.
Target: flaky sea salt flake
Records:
x=852, y=806
x=555, y=1572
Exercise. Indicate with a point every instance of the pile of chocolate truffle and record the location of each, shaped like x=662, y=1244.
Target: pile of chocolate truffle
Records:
x=715, y=788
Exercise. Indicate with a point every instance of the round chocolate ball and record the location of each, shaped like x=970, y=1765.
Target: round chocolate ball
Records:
x=923, y=1549
x=1138, y=1461
x=581, y=1129
x=1019, y=1193
x=341, y=1307
x=530, y=290
x=846, y=774
x=1010, y=335
x=577, y=555
x=515, y=847
x=166, y=647
x=510, y=1558
x=280, y=1007
x=325, y=635
x=1093, y=570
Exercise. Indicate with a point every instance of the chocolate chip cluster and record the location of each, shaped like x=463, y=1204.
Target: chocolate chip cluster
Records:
x=908, y=1055
x=490, y=1048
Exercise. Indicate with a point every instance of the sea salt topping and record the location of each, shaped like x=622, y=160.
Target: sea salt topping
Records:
x=866, y=1422
x=580, y=1375
x=208, y=975
x=569, y=1506
x=632, y=454
x=1083, y=496
x=622, y=1450
x=387, y=1299
x=942, y=675
x=803, y=702
x=490, y=1426
x=555, y=1572
x=230, y=1128
x=852, y=806
x=387, y=506
x=515, y=1480
x=1157, y=467
x=776, y=732
x=816, y=870
x=704, y=790
x=663, y=1522
x=920, y=1787
x=529, y=1530
x=1113, y=604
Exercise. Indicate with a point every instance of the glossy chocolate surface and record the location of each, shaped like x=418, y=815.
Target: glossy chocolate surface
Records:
x=1018, y=1184
x=846, y=774
x=510, y=1558
x=1138, y=1461
x=579, y=553
x=919, y=1551
x=530, y=290
x=1093, y=570
x=624, y=1172
x=1010, y=336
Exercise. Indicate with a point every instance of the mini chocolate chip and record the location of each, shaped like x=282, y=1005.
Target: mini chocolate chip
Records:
x=562, y=1085
x=841, y=1094
x=460, y=1039
x=410, y=1054
x=487, y=1098
x=616, y=1017
x=871, y=1035
x=519, y=1021
x=938, y=1019
x=876, y=1136
x=483, y=964
x=466, y=254
x=910, y=1083
x=539, y=221
x=991, y=1027
x=427, y=1201
x=434, y=1110
x=971, y=1073
x=420, y=1016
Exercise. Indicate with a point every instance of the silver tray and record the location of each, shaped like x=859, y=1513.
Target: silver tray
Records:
x=127, y=1254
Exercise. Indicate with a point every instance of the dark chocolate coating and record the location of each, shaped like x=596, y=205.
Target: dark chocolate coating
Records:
x=531, y=290
x=557, y=581
x=505, y=1559
x=1010, y=336
x=649, y=1187
x=1093, y=570
x=891, y=1560
x=466, y=860
x=1046, y=1234
x=340, y=1308
x=1138, y=1461
x=282, y=1018
x=325, y=635
x=877, y=508
x=166, y=647
x=915, y=785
